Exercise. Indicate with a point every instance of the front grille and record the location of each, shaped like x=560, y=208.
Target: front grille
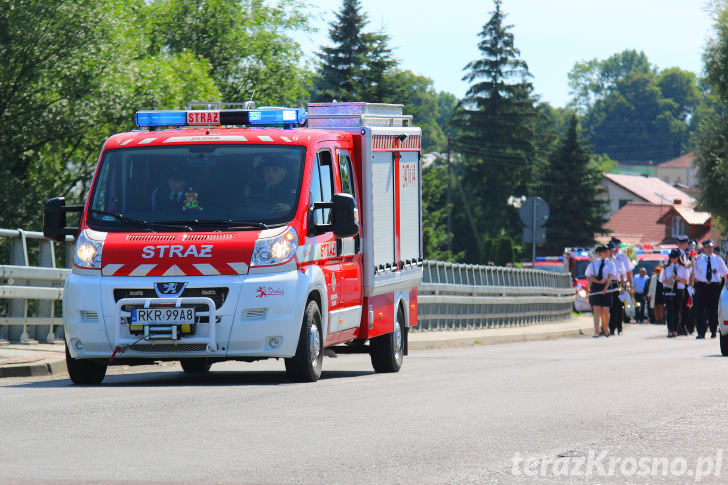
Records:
x=168, y=348
x=217, y=295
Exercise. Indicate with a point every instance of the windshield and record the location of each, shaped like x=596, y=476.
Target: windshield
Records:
x=581, y=269
x=196, y=188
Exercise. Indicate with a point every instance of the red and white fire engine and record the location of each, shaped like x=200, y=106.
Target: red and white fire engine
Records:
x=218, y=233
x=575, y=262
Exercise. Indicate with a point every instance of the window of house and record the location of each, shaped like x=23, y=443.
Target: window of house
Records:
x=678, y=226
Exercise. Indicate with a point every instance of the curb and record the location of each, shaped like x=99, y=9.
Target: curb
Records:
x=486, y=339
x=42, y=368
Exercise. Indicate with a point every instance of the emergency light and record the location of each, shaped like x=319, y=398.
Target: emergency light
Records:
x=260, y=116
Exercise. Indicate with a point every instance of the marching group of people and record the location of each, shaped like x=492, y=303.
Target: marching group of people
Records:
x=684, y=293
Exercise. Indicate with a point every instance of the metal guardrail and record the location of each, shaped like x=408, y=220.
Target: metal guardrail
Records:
x=451, y=297
x=462, y=296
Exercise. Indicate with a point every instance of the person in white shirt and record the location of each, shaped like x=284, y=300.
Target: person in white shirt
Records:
x=600, y=274
x=674, y=278
x=708, y=271
x=639, y=283
x=687, y=255
x=623, y=281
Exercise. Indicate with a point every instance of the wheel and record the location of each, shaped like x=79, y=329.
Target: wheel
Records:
x=195, y=366
x=387, y=351
x=306, y=365
x=724, y=345
x=83, y=371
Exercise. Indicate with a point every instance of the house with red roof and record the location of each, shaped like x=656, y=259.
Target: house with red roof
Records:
x=622, y=189
x=678, y=171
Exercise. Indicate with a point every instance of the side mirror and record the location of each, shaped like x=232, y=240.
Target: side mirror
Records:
x=344, y=214
x=54, y=219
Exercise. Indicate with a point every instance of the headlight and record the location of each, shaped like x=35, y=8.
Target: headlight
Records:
x=275, y=250
x=583, y=293
x=88, y=252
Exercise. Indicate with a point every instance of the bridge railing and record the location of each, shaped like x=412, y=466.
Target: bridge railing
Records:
x=456, y=296
x=451, y=297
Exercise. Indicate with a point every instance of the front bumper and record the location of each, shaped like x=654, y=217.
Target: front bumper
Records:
x=260, y=317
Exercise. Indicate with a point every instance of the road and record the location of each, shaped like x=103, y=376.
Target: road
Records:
x=634, y=408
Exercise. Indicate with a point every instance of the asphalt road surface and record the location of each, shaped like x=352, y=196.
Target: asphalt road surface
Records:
x=637, y=408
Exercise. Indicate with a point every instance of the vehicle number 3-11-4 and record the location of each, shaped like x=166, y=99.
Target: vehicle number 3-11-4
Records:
x=183, y=315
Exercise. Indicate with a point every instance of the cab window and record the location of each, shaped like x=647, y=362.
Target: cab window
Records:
x=347, y=174
x=322, y=184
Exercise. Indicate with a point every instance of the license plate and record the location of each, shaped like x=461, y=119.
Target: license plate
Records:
x=162, y=316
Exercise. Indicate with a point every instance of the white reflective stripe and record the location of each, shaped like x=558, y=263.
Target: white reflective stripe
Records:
x=147, y=140
x=125, y=142
x=110, y=269
x=285, y=138
x=185, y=139
x=206, y=269
x=265, y=138
x=240, y=268
x=173, y=271
x=142, y=269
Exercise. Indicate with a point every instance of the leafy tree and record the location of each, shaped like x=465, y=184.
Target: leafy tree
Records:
x=632, y=111
x=497, y=120
x=434, y=215
x=593, y=80
x=571, y=188
x=712, y=144
x=244, y=41
x=487, y=253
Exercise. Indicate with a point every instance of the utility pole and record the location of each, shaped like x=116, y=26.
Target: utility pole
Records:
x=449, y=198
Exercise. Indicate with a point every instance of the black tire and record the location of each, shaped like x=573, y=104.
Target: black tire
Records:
x=195, y=366
x=83, y=371
x=306, y=365
x=387, y=351
x=724, y=345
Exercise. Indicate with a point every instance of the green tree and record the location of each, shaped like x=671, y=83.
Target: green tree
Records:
x=339, y=74
x=571, y=188
x=712, y=144
x=497, y=120
x=245, y=42
x=434, y=215
x=503, y=253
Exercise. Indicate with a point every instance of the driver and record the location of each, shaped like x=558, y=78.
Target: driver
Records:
x=276, y=184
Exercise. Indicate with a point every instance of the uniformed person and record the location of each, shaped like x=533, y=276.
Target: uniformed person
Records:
x=674, y=278
x=624, y=281
x=708, y=271
x=687, y=256
x=600, y=273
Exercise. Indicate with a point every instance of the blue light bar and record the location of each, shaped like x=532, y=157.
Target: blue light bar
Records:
x=161, y=118
x=277, y=116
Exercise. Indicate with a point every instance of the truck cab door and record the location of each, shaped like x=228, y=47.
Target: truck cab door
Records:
x=349, y=249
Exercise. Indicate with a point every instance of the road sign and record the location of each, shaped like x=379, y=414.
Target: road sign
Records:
x=534, y=212
x=528, y=235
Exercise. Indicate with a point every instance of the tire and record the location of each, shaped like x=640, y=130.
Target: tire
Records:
x=306, y=365
x=724, y=345
x=195, y=366
x=84, y=372
x=387, y=351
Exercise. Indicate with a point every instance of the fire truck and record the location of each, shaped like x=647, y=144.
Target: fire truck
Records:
x=576, y=261
x=230, y=232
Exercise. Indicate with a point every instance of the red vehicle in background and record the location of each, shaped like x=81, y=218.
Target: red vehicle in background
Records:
x=575, y=261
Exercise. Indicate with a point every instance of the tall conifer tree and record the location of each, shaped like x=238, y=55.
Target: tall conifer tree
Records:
x=570, y=186
x=497, y=118
x=340, y=72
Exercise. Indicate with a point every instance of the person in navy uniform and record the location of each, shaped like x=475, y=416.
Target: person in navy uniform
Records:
x=674, y=278
x=600, y=274
x=172, y=197
x=276, y=184
x=708, y=271
x=687, y=255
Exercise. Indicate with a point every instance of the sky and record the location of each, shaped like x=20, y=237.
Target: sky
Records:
x=438, y=38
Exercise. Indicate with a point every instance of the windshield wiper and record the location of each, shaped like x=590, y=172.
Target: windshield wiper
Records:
x=229, y=223
x=140, y=223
